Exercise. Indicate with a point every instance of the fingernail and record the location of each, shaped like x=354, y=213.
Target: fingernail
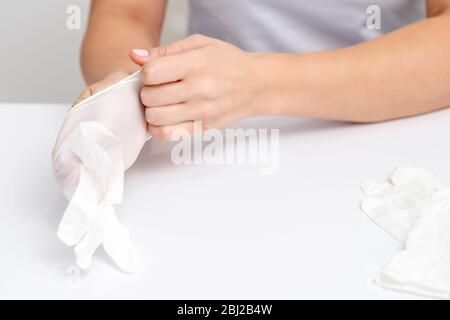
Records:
x=141, y=52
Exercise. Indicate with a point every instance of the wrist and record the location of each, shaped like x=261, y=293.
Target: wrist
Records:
x=272, y=82
x=112, y=73
x=118, y=75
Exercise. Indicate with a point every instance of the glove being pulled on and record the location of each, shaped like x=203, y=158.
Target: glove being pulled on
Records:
x=100, y=138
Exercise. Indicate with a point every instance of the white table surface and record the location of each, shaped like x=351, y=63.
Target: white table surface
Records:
x=217, y=232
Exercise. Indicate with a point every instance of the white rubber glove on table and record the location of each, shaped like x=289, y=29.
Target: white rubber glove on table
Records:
x=414, y=208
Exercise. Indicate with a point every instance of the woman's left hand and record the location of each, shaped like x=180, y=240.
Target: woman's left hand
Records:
x=198, y=79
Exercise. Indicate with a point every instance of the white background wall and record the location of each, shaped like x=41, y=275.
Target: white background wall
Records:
x=39, y=55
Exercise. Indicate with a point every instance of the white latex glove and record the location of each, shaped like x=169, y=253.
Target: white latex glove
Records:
x=100, y=138
x=412, y=206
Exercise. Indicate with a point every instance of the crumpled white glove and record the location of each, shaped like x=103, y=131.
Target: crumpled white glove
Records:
x=99, y=140
x=412, y=206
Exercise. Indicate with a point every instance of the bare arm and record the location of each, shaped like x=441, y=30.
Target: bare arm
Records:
x=115, y=27
x=400, y=74
x=404, y=73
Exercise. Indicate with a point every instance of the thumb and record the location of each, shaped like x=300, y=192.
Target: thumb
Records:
x=140, y=56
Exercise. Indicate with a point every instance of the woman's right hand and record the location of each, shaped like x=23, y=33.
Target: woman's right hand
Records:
x=109, y=80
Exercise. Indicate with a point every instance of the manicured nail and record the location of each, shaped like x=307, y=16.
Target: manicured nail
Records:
x=141, y=52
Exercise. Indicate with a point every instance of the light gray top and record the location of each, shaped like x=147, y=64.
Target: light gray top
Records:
x=298, y=25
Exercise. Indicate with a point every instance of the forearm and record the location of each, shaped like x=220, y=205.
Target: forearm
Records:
x=114, y=29
x=401, y=74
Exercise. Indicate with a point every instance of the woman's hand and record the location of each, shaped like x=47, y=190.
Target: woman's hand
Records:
x=198, y=79
x=92, y=89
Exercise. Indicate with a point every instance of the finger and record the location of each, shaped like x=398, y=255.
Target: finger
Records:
x=84, y=95
x=164, y=94
x=189, y=43
x=169, y=115
x=173, y=132
x=85, y=249
x=166, y=69
x=140, y=56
